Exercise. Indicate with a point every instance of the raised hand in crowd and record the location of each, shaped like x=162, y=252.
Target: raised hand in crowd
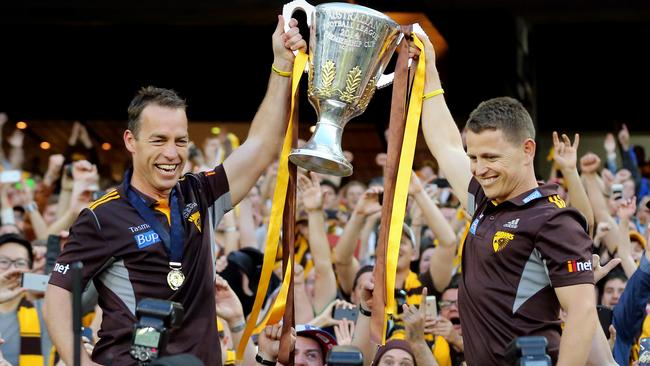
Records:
x=589, y=166
x=565, y=153
x=626, y=209
x=565, y=158
x=589, y=163
x=54, y=166
x=602, y=229
x=414, y=320
x=312, y=198
x=324, y=318
x=325, y=279
x=16, y=154
x=76, y=194
x=344, y=332
x=445, y=328
x=269, y=342
x=220, y=264
x=601, y=271
x=346, y=264
x=442, y=259
x=85, y=181
x=10, y=284
x=26, y=198
x=230, y=309
x=610, y=144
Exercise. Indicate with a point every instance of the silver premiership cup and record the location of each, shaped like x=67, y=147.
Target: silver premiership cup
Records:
x=349, y=48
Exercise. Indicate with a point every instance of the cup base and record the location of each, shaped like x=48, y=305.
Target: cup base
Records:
x=318, y=162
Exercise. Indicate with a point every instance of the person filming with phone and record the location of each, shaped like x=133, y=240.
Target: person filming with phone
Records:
x=21, y=320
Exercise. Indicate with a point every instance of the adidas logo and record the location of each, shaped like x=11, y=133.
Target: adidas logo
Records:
x=512, y=224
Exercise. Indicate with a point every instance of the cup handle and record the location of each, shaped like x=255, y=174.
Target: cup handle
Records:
x=287, y=11
x=387, y=79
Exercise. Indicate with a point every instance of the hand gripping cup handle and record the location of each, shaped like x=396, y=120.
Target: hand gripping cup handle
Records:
x=287, y=11
x=291, y=7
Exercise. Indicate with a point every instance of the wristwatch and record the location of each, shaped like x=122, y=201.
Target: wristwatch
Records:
x=365, y=312
x=264, y=362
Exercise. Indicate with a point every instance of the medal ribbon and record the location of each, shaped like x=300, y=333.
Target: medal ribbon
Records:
x=173, y=240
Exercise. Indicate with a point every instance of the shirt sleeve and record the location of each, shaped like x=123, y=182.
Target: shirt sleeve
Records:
x=85, y=244
x=565, y=247
x=475, y=196
x=215, y=189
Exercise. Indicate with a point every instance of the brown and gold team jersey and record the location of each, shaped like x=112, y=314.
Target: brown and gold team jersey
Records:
x=127, y=262
x=514, y=255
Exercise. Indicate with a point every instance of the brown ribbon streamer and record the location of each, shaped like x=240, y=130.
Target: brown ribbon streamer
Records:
x=395, y=139
x=286, y=354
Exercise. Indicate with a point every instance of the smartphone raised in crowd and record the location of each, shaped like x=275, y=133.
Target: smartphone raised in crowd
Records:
x=340, y=313
x=431, y=306
x=10, y=176
x=617, y=191
x=34, y=282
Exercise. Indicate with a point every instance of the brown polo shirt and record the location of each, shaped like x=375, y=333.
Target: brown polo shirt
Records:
x=127, y=262
x=514, y=255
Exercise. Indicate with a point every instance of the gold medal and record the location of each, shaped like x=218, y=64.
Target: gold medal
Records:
x=175, y=278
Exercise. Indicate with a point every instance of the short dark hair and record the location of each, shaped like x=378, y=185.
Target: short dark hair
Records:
x=617, y=273
x=504, y=114
x=20, y=240
x=362, y=270
x=151, y=95
x=326, y=182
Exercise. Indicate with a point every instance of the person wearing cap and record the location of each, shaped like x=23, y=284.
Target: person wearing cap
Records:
x=153, y=236
x=527, y=254
x=21, y=321
x=312, y=345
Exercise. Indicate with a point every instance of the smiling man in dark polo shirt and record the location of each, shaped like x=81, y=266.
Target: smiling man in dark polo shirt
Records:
x=152, y=237
x=526, y=254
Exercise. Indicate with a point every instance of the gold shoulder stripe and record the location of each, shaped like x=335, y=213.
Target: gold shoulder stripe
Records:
x=104, y=198
x=97, y=204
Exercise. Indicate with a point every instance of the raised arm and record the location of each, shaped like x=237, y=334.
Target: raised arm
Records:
x=413, y=318
x=245, y=165
x=441, y=133
x=346, y=264
x=565, y=157
x=442, y=259
x=325, y=280
x=626, y=210
x=589, y=165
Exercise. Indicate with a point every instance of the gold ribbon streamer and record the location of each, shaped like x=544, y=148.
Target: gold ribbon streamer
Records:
x=276, y=312
x=402, y=183
x=277, y=210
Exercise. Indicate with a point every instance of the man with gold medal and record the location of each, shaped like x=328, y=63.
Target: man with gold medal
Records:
x=152, y=236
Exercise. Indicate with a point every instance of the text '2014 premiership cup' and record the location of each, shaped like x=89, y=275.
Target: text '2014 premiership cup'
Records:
x=349, y=48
